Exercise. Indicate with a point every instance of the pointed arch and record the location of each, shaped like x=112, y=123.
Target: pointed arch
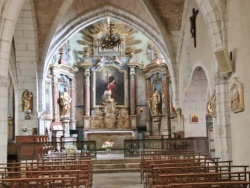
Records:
x=79, y=22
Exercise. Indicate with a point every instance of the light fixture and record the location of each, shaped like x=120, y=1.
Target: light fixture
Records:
x=110, y=41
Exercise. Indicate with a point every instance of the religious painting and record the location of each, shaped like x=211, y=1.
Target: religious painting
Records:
x=194, y=118
x=109, y=84
x=237, y=96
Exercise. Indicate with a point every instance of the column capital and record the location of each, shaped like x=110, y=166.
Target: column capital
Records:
x=133, y=65
x=5, y=82
x=221, y=77
x=85, y=65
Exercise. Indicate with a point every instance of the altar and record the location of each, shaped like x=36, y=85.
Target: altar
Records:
x=117, y=137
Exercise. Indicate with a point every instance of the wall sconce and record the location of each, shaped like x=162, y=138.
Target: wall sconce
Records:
x=141, y=109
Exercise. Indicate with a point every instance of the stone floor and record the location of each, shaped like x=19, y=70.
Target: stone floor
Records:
x=116, y=180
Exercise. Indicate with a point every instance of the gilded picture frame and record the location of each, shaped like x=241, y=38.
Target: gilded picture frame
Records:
x=194, y=118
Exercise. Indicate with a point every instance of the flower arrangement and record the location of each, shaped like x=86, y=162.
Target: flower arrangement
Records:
x=25, y=129
x=108, y=144
x=71, y=149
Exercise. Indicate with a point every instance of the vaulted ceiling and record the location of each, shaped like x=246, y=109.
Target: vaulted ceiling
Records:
x=46, y=11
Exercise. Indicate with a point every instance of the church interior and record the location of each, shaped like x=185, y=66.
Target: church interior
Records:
x=125, y=71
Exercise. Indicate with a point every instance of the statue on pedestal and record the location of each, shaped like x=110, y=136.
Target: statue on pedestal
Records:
x=65, y=103
x=27, y=101
x=156, y=101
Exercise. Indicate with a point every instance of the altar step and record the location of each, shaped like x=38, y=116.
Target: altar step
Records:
x=116, y=165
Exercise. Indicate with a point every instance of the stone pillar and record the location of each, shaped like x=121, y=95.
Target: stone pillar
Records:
x=4, y=84
x=165, y=106
x=132, y=91
x=223, y=130
x=86, y=66
x=132, y=95
x=149, y=116
x=72, y=110
x=56, y=117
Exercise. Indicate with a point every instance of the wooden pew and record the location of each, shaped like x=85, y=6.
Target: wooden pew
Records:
x=166, y=179
x=39, y=182
x=85, y=165
x=157, y=171
x=41, y=174
x=146, y=163
x=232, y=184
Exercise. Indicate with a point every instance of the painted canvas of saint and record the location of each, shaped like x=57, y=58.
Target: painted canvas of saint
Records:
x=109, y=84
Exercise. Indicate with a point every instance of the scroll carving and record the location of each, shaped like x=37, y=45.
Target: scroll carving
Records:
x=237, y=97
x=211, y=105
x=123, y=119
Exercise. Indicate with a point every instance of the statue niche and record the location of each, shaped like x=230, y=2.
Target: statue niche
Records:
x=64, y=101
x=156, y=103
x=27, y=101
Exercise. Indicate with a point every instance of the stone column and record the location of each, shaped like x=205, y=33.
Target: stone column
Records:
x=149, y=116
x=165, y=106
x=132, y=97
x=222, y=130
x=86, y=66
x=72, y=110
x=56, y=117
x=132, y=91
x=4, y=84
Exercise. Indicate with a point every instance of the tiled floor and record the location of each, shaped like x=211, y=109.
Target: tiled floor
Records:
x=116, y=180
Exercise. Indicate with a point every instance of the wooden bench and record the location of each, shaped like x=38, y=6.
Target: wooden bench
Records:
x=39, y=182
x=232, y=184
x=165, y=179
x=187, y=169
x=85, y=166
x=146, y=163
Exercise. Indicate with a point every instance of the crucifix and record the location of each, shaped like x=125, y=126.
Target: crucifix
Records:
x=193, y=25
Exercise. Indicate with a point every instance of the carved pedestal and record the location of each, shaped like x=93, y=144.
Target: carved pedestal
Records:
x=156, y=125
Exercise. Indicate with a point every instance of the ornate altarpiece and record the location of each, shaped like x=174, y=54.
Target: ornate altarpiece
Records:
x=156, y=75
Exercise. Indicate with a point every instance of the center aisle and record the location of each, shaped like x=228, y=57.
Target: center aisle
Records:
x=115, y=179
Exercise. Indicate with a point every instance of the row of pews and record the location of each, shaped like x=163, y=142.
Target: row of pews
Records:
x=191, y=171
x=47, y=172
